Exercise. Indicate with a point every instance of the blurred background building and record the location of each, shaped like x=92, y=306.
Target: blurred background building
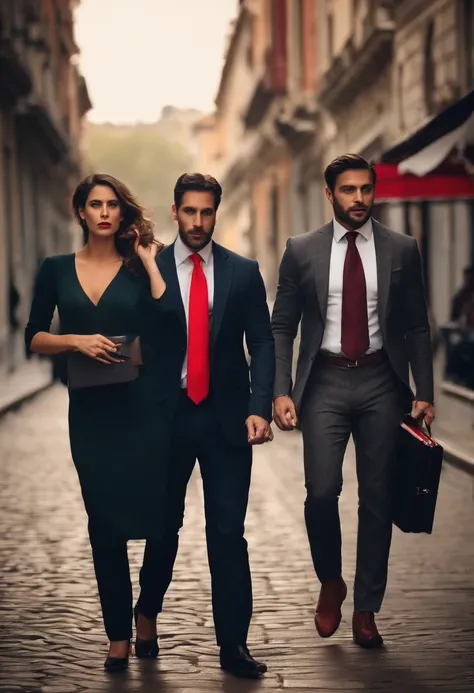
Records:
x=43, y=100
x=48, y=142
x=306, y=80
x=301, y=82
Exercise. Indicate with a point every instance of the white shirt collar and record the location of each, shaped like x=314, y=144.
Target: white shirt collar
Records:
x=365, y=230
x=182, y=252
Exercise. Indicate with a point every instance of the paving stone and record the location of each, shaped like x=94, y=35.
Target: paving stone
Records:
x=52, y=638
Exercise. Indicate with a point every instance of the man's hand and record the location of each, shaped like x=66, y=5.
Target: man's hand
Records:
x=284, y=413
x=424, y=411
x=259, y=430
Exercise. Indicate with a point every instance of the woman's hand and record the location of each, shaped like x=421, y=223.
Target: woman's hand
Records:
x=148, y=253
x=96, y=347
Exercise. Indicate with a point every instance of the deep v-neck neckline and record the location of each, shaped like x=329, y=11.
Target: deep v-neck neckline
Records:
x=96, y=305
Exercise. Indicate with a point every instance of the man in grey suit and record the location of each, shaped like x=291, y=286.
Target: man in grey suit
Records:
x=356, y=286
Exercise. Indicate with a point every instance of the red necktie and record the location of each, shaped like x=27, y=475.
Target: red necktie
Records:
x=198, y=334
x=355, y=323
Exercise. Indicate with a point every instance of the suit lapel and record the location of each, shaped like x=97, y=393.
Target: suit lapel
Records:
x=383, y=256
x=322, y=262
x=167, y=265
x=223, y=270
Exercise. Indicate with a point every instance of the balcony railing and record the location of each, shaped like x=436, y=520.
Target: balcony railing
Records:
x=358, y=65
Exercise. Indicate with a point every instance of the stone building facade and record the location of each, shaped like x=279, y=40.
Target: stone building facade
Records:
x=386, y=79
x=356, y=49
x=314, y=79
x=43, y=99
x=432, y=68
x=262, y=131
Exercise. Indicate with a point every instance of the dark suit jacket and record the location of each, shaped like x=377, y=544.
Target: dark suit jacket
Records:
x=303, y=294
x=239, y=311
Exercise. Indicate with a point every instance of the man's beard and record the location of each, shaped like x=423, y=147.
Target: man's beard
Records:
x=195, y=244
x=344, y=217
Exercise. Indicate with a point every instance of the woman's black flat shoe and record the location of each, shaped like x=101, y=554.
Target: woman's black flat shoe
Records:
x=145, y=649
x=113, y=664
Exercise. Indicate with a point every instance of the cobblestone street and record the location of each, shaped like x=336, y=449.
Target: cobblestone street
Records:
x=51, y=635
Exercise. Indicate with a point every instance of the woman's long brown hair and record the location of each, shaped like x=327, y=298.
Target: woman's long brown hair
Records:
x=133, y=216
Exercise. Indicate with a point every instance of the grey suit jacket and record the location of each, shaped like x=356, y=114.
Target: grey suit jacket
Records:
x=302, y=295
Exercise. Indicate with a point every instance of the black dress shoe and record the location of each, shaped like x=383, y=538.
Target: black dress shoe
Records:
x=145, y=649
x=237, y=660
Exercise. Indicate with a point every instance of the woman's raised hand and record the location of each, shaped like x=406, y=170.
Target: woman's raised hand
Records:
x=148, y=253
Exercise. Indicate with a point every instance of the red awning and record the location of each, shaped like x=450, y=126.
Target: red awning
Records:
x=394, y=186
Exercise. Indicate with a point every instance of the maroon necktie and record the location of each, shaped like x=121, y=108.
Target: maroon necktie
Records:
x=198, y=334
x=355, y=323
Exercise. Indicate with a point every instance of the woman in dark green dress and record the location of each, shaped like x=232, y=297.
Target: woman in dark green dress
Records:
x=118, y=432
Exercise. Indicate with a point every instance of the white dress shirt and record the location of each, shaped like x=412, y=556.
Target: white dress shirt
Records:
x=184, y=269
x=365, y=245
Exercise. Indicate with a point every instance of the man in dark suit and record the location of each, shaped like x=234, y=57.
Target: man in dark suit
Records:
x=357, y=288
x=218, y=412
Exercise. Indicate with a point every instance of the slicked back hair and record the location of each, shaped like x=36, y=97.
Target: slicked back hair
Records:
x=188, y=182
x=346, y=162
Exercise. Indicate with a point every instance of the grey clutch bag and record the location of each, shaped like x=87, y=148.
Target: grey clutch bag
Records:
x=83, y=371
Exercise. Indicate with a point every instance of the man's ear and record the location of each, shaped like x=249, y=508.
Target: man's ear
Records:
x=328, y=194
x=174, y=212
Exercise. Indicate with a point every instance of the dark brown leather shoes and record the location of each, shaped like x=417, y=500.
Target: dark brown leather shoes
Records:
x=328, y=610
x=364, y=630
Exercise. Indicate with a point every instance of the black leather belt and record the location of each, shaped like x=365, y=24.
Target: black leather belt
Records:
x=365, y=360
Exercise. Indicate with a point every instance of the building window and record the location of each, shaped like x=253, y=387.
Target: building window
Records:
x=400, y=96
x=330, y=35
x=429, y=69
x=355, y=15
x=468, y=47
x=303, y=193
x=249, y=48
x=274, y=218
x=299, y=43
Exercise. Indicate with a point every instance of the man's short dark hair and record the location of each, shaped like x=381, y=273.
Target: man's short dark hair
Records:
x=196, y=182
x=347, y=162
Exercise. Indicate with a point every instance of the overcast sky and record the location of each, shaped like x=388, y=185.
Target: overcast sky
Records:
x=140, y=55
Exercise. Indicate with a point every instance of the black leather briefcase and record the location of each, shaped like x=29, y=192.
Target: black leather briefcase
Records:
x=417, y=473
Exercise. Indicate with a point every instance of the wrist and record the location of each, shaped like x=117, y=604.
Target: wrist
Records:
x=152, y=269
x=71, y=342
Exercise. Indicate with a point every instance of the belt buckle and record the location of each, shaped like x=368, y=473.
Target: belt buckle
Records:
x=352, y=364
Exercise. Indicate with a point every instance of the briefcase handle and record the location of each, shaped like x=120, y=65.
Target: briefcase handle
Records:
x=408, y=418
